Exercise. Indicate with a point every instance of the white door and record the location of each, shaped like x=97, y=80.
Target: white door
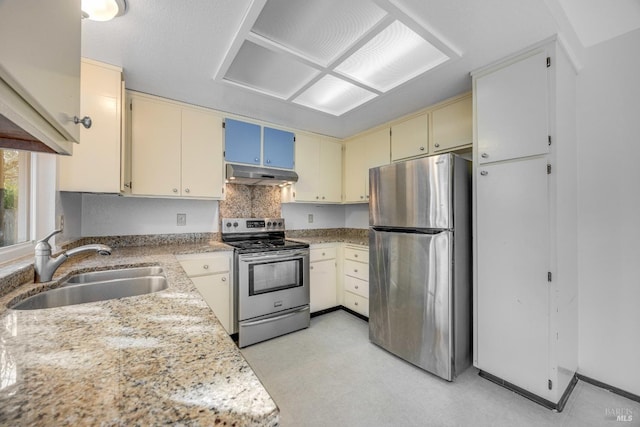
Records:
x=512, y=111
x=512, y=295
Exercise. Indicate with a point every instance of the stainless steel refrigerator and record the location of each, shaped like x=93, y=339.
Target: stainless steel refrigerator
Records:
x=420, y=262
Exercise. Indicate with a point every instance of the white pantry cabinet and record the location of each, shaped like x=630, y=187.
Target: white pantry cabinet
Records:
x=176, y=149
x=40, y=69
x=95, y=163
x=322, y=276
x=525, y=215
x=410, y=138
x=318, y=163
x=211, y=275
x=361, y=153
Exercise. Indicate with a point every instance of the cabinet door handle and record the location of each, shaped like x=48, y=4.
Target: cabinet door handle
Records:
x=355, y=270
x=317, y=197
x=437, y=145
x=421, y=148
x=355, y=303
x=175, y=190
x=484, y=173
x=362, y=197
x=311, y=267
x=186, y=190
x=484, y=155
x=322, y=253
x=356, y=286
x=268, y=161
x=224, y=279
x=206, y=266
x=355, y=255
x=322, y=197
x=256, y=159
x=85, y=121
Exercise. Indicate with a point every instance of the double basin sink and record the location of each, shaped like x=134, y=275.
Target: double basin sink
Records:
x=99, y=286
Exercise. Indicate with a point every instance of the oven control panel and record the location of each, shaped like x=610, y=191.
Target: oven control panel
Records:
x=251, y=225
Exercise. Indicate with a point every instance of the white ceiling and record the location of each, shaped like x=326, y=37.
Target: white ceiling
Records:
x=175, y=48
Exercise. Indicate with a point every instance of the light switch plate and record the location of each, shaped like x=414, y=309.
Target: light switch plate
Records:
x=310, y=218
x=182, y=219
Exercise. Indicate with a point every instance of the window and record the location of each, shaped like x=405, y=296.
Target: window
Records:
x=14, y=197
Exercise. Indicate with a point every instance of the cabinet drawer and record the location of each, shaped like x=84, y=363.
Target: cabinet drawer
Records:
x=356, y=269
x=361, y=255
x=356, y=303
x=357, y=286
x=205, y=265
x=322, y=254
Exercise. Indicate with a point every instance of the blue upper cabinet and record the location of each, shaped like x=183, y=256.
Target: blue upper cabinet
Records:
x=241, y=142
x=278, y=148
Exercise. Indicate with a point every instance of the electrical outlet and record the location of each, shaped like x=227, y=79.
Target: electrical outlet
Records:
x=182, y=219
x=61, y=222
x=310, y=218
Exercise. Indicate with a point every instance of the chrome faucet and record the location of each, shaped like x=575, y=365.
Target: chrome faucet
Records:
x=45, y=265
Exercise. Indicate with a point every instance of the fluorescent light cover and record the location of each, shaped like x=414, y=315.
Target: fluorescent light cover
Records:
x=334, y=96
x=319, y=30
x=103, y=10
x=269, y=72
x=394, y=56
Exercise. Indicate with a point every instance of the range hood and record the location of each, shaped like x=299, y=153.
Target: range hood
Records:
x=253, y=175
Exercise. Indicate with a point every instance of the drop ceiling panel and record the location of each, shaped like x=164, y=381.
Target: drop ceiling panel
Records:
x=320, y=30
x=268, y=71
x=334, y=96
x=392, y=57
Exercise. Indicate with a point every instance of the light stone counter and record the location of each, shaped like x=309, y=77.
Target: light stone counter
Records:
x=330, y=235
x=161, y=358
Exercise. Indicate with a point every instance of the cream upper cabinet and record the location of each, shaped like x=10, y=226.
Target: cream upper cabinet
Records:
x=362, y=153
x=40, y=61
x=175, y=150
x=319, y=168
x=451, y=125
x=201, y=154
x=95, y=163
x=410, y=138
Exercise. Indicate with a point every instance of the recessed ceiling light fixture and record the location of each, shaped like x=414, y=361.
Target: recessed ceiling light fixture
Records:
x=330, y=55
x=103, y=10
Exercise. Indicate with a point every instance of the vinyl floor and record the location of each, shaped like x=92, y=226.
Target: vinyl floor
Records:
x=331, y=375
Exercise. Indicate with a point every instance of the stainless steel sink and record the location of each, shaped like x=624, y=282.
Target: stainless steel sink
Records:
x=123, y=273
x=99, y=288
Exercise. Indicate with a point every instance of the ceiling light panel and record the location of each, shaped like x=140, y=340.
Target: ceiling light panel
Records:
x=392, y=57
x=334, y=96
x=320, y=30
x=268, y=71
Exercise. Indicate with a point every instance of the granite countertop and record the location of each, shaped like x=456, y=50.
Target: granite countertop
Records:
x=161, y=358
x=331, y=235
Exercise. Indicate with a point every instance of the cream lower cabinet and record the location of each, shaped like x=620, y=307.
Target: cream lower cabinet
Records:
x=211, y=275
x=95, y=163
x=176, y=149
x=356, y=278
x=322, y=276
x=362, y=153
x=319, y=168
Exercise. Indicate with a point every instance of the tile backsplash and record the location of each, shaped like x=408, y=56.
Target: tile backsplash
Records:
x=251, y=201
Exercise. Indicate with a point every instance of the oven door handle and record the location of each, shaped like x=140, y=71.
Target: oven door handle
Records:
x=278, y=255
x=273, y=319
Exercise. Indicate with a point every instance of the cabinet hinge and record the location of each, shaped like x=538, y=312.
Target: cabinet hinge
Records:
x=548, y=276
x=550, y=384
x=549, y=139
x=548, y=169
x=224, y=125
x=548, y=61
x=294, y=139
x=131, y=106
x=224, y=154
x=223, y=189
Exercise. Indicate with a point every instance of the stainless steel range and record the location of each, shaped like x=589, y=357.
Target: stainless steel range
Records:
x=271, y=278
